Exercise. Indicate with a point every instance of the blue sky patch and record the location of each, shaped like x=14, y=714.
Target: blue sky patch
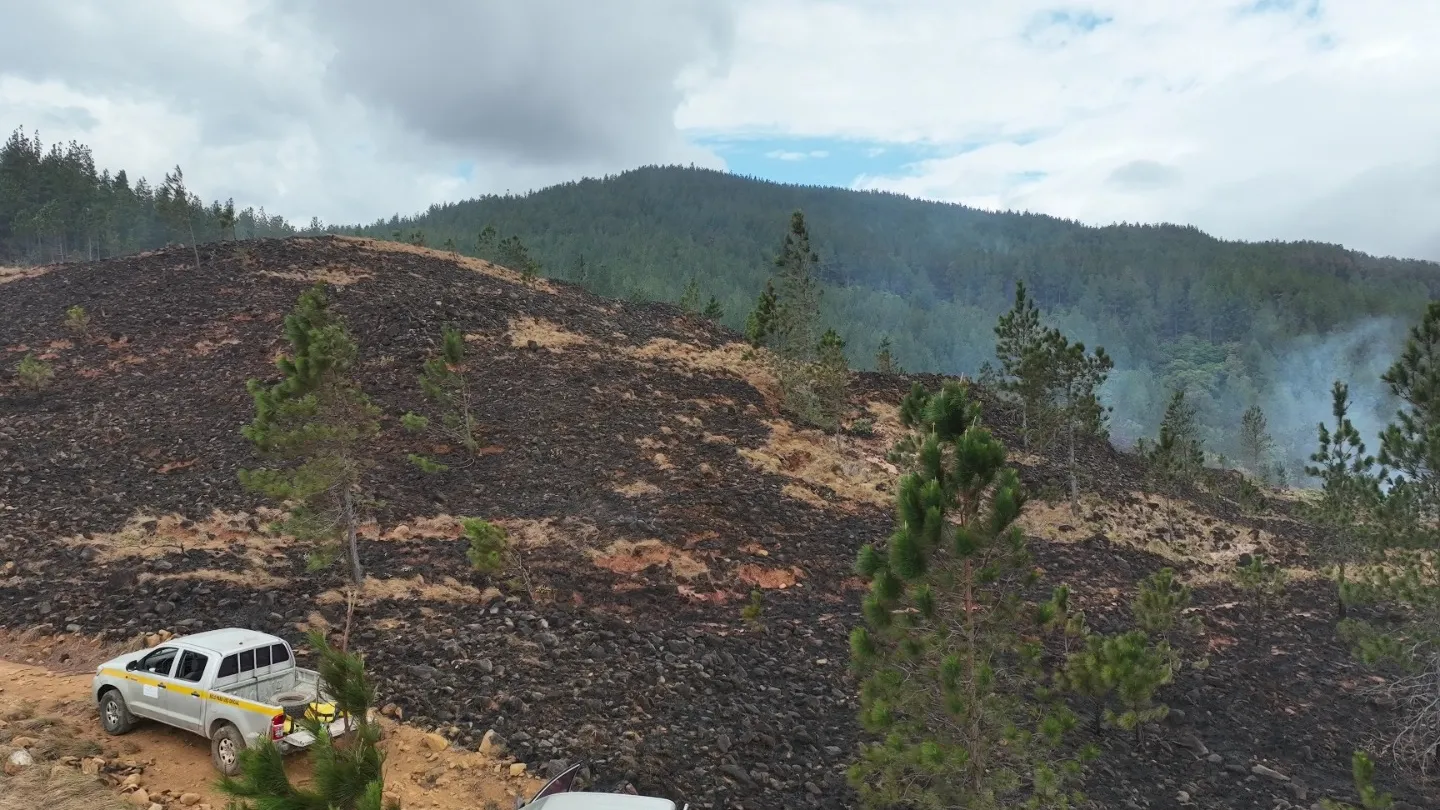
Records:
x=817, y=161
x=1309, y=8
x=1056, y=26
x=837, y=161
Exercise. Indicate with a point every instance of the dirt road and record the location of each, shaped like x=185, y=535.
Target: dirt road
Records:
x=55, y=711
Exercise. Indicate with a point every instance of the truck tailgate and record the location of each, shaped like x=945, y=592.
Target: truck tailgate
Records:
x=301, y=738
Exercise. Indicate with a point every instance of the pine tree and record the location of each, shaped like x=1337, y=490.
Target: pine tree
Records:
x=831, y=381
x=1400, y=531
x=1073, y=377
x=760, y=325
x=445, y=379
x=1128, y=667
x=226, y=220
x=318, y=424
x=487, y=244
x=754, y=610
x=690, y=298
x=514, y=255
x=885, y=358
x=945, y=616
x=488, y=547
x=713, y=310
x=1176, y=457
x=33, y=373
x=1410, y=445
x=1255, y=442
x=1264, y=583
x=347, y=774
x=77, y=320
x=797, y=301
x=1349, y=490
x=178, y=210
x=1023, y=372
x=1159, y=606
x=1362, y=771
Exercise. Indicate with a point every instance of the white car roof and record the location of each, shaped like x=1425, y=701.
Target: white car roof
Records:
x=600, y=801
x=228, y=640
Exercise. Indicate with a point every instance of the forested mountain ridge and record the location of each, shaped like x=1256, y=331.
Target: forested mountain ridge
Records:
x=1172, y=305
x=1234, y=323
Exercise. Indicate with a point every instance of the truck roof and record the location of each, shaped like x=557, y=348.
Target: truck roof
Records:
x=601, y=801
x=228, y=640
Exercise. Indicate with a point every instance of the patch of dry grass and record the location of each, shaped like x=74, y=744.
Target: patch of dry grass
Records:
x=526, y=534
x=632, y=557
x=638, y=489
x=738, y=359
x=54, y=787
x=257, y=578
x=546, y=334
x=814, y=459
x=9, y=274
x=448, y=589
x=339, y=275
x=467, y=262
x=803, y=493
x=1199, y=541
x=144, y=535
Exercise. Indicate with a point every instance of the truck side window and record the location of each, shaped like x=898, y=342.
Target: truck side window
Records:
x=228, y=667
x=262, y=657
x=159, y=662
x=247, y=661
x=192, y=666
x=279, y=654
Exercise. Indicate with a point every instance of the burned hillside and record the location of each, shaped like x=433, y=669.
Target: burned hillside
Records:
x=648, y=481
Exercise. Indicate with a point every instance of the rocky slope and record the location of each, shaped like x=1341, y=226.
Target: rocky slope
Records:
x=646, y=478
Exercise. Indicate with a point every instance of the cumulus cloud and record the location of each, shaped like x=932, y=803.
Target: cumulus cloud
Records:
x=354, y=110
x=1252, y=119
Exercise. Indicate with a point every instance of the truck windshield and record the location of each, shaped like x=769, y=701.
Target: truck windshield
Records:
x=159, y=662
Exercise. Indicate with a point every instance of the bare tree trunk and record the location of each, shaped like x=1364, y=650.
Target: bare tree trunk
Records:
x=357, y=574
x=1340, y=592
x=351, y=595
x=1074, y=483
x=191, y=222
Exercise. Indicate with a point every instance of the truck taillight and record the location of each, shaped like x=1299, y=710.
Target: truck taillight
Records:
x=277, y=726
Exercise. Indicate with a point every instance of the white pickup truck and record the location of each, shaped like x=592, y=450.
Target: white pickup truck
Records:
x=230, y=686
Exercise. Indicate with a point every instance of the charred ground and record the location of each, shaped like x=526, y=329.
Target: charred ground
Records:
x=648, y=481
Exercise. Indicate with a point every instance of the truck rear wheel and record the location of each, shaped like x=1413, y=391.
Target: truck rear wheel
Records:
x=115, y=716
x=225, y=748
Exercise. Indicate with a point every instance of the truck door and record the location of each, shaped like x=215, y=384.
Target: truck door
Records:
x=150, y=679
x=183, y=698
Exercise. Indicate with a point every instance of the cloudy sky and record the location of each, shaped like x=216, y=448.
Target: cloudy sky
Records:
x=1253, y=119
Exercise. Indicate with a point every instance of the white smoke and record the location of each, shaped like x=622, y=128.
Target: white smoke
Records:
x=1301, y=379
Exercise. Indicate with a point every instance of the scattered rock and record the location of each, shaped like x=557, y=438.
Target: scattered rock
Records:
x=436, y=742
x=18, y=761
x=492, y=744
x=1261, y=770
x=189, y=799
x=517, y=769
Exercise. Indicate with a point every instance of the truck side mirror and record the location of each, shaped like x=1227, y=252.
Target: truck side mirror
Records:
x=132, y=666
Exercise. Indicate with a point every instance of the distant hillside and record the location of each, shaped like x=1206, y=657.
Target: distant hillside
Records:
x=1234, y=322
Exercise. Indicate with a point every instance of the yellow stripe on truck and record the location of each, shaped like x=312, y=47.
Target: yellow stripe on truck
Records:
x=216, y=697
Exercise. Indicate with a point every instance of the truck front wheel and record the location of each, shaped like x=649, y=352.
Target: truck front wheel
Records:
x=115, y=716
x=225, y=748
